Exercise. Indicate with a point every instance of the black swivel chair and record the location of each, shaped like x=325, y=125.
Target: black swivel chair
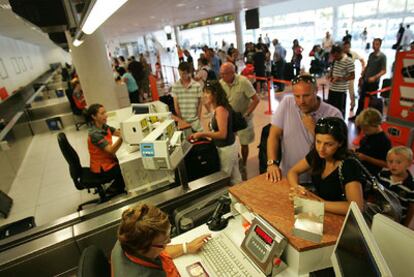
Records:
x=93, y=263
x=79, y=115
x=82, y=176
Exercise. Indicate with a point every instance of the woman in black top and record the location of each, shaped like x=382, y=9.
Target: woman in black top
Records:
x=327, y=160
x=221, y=129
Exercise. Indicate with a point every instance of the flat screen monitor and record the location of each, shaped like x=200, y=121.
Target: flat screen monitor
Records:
x=396, y=243
x=356, y=252
x=140, y=108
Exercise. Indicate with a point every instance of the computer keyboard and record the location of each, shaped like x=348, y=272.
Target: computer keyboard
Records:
x=226, y=259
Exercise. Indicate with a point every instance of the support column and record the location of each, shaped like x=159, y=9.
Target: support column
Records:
x=94, y=70
x=335, y=24
x=238, y=24
x=177, y=35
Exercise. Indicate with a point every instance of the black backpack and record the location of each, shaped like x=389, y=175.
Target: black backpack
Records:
x=211, y=75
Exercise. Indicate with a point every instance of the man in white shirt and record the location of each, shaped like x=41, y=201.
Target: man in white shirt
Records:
x=354, y=56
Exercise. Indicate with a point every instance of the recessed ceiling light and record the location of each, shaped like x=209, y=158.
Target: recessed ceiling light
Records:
x=179, y=5
x=152, y=17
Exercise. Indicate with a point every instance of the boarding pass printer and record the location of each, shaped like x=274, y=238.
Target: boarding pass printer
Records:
x=164, y=147
x=138, y=126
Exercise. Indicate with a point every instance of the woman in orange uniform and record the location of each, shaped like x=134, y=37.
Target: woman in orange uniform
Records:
x=143, y=246
x=101, y=148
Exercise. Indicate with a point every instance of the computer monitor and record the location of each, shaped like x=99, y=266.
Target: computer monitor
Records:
x=356, y=252
x=150, y=107
x=142, y=108
x=396, y=243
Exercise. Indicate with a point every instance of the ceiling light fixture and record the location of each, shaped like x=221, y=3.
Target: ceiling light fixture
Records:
x=79, y=38
x=100, y=12
x=167, y=29
x=77, y=42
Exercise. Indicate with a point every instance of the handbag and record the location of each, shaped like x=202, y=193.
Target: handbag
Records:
x=384, y=201
x=238, y=120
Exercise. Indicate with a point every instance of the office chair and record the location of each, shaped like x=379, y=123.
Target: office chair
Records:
x=82, y=176
x=93, y=263
x=78, y=115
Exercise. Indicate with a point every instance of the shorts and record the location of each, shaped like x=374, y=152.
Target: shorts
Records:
x=246, y=136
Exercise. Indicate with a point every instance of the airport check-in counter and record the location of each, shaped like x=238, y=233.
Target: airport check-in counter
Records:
x=55, y=248
x=17, y=132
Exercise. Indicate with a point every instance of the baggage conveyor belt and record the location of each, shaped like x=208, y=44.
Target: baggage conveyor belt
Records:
x=55, y=249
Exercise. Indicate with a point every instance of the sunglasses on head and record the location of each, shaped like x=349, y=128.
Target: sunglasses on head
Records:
x=304, y=78
x=325, y=126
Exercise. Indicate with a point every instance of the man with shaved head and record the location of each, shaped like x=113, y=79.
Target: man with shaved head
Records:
x=243, y=98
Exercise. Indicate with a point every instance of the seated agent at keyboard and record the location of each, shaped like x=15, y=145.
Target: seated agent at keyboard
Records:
x=142, y=247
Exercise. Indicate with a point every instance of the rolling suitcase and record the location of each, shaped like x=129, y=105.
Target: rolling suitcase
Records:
x=196, y=212
x=202, y=160
x=288, y=74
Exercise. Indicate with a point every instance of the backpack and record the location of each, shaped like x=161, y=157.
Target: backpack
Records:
x=211, y=75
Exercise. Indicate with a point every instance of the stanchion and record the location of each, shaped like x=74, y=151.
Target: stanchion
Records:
x=268, y=79
x=369, y=94
x=269, y=102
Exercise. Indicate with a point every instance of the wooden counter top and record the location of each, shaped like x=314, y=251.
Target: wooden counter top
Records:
x=271, y=201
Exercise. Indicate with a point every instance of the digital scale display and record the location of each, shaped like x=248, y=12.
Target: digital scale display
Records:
x=262, y=234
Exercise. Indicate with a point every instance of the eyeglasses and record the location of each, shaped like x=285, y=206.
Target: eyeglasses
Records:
x=304, y=78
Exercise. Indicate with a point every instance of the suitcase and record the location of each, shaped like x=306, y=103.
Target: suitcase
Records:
x=17, y=227
x=197, y=212
x=288, y=73
x=202, y=160
x=169, y=100
x=6, y=202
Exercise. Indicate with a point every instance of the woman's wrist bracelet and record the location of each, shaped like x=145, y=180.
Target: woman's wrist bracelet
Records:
x=185, y=248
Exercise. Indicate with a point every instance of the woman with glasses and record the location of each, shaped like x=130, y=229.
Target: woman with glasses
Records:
x=143, y=249
x=336, y=176
x=221, y=129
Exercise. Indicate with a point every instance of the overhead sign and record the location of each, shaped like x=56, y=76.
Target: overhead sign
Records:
x=208, y=21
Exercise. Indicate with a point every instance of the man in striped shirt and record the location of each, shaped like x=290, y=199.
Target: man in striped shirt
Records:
x=187, y=97
x=343, y=70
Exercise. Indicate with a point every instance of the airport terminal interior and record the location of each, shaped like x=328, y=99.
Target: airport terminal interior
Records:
x=57, y=58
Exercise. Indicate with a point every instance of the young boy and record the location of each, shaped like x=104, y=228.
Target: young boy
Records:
x=375, y=144
x=397, y=178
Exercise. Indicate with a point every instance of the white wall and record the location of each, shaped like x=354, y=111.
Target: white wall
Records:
x=22, y=62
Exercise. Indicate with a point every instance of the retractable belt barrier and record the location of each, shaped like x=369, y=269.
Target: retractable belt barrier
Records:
x=369, y=94
x=269, y=81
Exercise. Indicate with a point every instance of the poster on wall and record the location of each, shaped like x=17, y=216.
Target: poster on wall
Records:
x=16, y=66
x=3, y=71
x=22, y=64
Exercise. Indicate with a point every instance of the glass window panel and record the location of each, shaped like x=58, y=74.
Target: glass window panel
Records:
x=365, y=8
x=346, y=11
x=386, y=6
x=266, y=22
x=410, y=5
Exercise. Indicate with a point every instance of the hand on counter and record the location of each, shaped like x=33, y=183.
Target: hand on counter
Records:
x=274, y=174
x=297, y=191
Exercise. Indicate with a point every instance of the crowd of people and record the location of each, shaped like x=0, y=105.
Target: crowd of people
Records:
x=307, y=142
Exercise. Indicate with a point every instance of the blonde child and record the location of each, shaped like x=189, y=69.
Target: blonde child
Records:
x=398, y=178
x=375, y=144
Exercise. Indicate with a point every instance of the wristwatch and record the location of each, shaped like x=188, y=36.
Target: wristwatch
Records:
x=271, y=162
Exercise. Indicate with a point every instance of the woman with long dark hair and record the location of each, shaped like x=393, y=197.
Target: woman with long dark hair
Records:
x=337, y=177
x=221, y=131
x=101, y=148
x=297, y=56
